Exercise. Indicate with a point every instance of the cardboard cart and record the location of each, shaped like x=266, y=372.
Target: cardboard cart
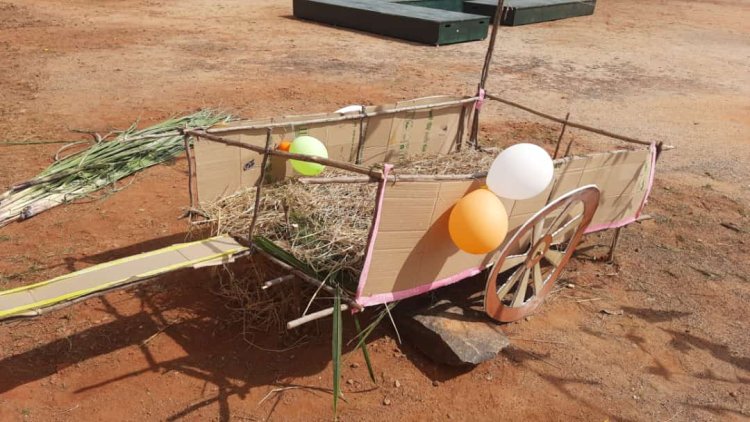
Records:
x=409, y=251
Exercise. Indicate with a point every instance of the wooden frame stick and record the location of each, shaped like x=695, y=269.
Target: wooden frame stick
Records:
x=299, y=157
x=392, y=178
x=343, y=117
x=313, y=316
x=277, y=281
x=312, y=280
x=560, y=138
x=572, y=124
x=261, y=179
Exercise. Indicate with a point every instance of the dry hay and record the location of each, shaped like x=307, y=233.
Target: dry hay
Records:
x=326, y=226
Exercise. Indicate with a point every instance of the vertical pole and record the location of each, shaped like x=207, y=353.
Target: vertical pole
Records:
x=613, y=246
x=259, y=188
x=189, y=156
x=486, y=70
x=559, y=138
x=362, y=133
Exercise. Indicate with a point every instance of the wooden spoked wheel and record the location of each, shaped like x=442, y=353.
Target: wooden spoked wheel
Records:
x=527, y=266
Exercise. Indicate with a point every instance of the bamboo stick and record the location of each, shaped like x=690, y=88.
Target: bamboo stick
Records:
x=313, y=316
x=342, y=118
x=559, y=138
x=486, y=70
x=392, y=178
x=277, y=281
x=573, y=124
x=261, y=178
x=312, y=280
x=189, y=157
x=308, y=158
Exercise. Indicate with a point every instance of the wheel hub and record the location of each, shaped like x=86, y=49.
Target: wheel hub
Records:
x=537, y=252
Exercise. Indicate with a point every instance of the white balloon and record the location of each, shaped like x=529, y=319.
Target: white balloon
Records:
x=520, y=172
x=350, y=109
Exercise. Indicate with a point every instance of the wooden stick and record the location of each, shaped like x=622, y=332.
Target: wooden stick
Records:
x=312, y=280
x=392, y=178
x=300, y=157
x=486, y=70
x=313, y=316
x=570, y=144
x=559, y=138
x=261, y=178
x=613, y=246
x=188, y=156
x=361, y=141
x=276, y=281
x=342, y=118
x=573, y=124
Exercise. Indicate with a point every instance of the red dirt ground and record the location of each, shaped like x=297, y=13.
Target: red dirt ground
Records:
x=669, y=70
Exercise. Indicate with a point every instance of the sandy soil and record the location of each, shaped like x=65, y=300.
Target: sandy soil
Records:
x=670, y=70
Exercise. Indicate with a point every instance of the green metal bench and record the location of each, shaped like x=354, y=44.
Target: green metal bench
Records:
x=436, y=22
x=400, y=20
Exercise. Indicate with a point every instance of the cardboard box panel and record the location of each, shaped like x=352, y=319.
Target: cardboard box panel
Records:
x=426, y=254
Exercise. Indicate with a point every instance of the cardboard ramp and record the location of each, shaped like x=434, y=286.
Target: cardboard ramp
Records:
x=32, y=300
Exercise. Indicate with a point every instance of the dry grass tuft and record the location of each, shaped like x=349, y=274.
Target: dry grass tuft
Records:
x=326, y=226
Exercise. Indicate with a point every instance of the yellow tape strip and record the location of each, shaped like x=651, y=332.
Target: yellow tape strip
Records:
x=131, y=258
x=80, y=293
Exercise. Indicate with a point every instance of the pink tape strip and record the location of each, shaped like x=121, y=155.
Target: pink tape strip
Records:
x=631, y=219
x=373, y=233
x=403, y=294
x=480, y=101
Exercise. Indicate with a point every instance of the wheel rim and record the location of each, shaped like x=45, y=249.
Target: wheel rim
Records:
x=530, y=262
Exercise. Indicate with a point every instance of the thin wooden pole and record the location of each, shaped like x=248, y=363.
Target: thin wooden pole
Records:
x=189, y=156
x=307, y=158
x=258, y=189
x=313, y=316
x=277, y=281
x=562, y=133
x=342, y=118
x=572, y=124
x=570, y=144
x=486, y=71
x=361, y=141
x=392, y=178
x=303, y=276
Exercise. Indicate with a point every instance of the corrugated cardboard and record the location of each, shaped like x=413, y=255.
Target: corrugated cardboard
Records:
x=413, y=248
x=223, y=170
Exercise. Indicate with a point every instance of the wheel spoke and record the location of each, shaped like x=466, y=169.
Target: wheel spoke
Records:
x=538, y=232
x=553, y=256
x=558, y=236
x=512, y=261
x=509, y=283
x=521, y=291
x=560, y=216
x=538, y=281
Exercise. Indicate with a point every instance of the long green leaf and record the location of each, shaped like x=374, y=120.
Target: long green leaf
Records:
x=336, y=346
x=370, y=328
x=365, y=353
x=277, y=252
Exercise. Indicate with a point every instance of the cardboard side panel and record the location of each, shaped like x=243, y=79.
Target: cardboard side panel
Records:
x=413, y=252
x=413, y=247
x=218, y=170
x=223, y=170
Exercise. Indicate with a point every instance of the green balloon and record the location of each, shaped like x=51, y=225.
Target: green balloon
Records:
x=307, y=145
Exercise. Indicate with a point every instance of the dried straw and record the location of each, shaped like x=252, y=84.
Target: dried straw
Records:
x=326, y=225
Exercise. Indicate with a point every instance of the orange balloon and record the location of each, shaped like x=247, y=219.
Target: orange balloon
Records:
x=284, y=146
x=478, y=222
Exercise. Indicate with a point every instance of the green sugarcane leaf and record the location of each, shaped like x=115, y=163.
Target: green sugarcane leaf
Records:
x=365, y=353
x=336, y=349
